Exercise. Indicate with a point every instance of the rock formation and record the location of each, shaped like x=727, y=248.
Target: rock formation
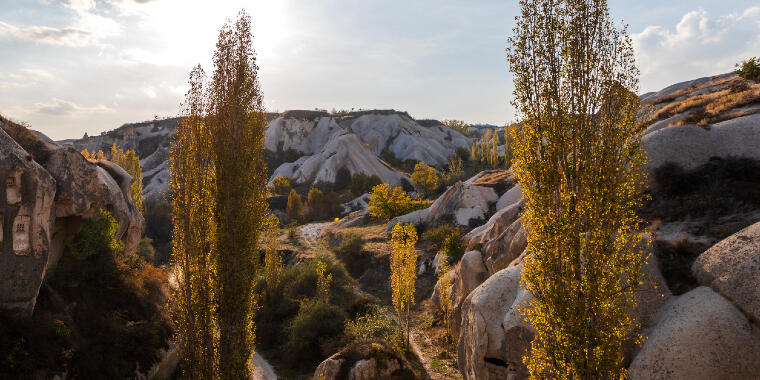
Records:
x=47, y=195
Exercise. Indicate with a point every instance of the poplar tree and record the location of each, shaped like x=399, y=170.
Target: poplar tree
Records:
x=578, y=159
x=131, y=164
x=192, y=188
x=237, y=122
x=403, y=271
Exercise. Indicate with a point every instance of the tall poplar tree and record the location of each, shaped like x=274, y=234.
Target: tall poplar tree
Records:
x=237, y=120
x=403, y=271
x=192, y=191
x=579, y=162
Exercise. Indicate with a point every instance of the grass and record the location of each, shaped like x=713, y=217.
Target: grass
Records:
x=710, y=107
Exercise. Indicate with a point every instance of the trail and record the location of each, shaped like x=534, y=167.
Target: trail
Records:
x=263, y=370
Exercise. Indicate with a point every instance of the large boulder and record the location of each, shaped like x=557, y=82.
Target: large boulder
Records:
x=699, y=335
x=494, y=333
x=364, y=361
x=343, y=151
x=26, y=220
x=732, y=268
x=82, y=187
x=464, y=204
x=467, y=275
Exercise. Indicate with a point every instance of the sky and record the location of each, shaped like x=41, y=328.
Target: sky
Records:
x=73, y=66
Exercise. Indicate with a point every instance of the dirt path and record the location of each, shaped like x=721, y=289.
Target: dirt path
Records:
x=263, y=370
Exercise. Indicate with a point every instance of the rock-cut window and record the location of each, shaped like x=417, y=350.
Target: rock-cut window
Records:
x=20, y=227
x=10, y=181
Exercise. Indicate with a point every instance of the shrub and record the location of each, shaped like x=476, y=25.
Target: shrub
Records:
x=145, y=250
x=294, y=208
x=452, y=246
x=455, y=171
x=749, y=69
x=281, y=185
x=361, y=183
x=387, y=203
x=376, y=324
x=425, y=177
x=321, y=205
x=350, y=252
x=96, y=237
x=316, y=320
x=463, y=153
x=436, y=236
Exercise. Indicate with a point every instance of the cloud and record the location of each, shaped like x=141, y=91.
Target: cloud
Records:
x=60, y=107
x=86, y=28
x=699, y=45
x=25, y=78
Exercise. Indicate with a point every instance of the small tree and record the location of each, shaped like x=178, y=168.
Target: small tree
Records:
x=273, y=266
x=403, y=271
x=386, y=202
x=455, y=171
x=323, y=282
x=294, y=208
x=131, y=164
x=444, y=290
x=281, y=185
x=749, y=69
x=459, y=126
x=425, y=177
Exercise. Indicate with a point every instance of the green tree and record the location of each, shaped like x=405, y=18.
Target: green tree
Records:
x=131, y=164
x=749, y=69
x=425, y=177
x=403, y=271
x=273, y=265
x=237, y=121
x=192, y=188
x=294, y=207
x=387, y=203
x=445, y=281
x=579, y=161
x=459, y=126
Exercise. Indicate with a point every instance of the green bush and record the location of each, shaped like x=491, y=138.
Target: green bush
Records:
x=387, y=203
x=350, y=252
x=322, y=206
x=362, y=183
x=145, y=250
x=463, y=154
x=749, y=69
x=436, y=236
x=376, y=324
x=96, y=237
x=316, y=323
x=452, y=246
x=300, y=281
x=281, y=185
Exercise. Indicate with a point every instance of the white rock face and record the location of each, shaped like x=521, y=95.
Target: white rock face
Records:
x=407, y=139
x=509, y=198
x=304, y=136
x=342, y=151
x=732, y=268
x=463, y=204
x=699, y=336
x=692, y=145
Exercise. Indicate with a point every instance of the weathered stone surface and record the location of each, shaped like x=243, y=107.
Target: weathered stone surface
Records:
x=83, y=187
x=373, y=369
x=463, y=204
x=467, y=274
x=329, y=368
x=499, y=252
x=699, y=335
x=342, y=151
x=363, y=361
x=732, y=268
x=494, y=333
x=26, y=219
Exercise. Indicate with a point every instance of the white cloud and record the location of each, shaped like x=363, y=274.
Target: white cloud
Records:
x=700, y=45
x=63, y=107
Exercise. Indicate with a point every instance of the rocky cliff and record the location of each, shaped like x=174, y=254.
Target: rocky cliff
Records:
x=49, y=191
x=312, y=147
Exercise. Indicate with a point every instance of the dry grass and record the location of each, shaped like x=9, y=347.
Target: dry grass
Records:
x=711, y=107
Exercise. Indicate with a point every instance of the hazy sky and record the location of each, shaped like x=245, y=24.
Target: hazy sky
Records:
x=72, y=66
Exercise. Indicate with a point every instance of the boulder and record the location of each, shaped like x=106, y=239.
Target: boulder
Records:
x=468, y=274
x=494, y=334
x=499, y=252
x=463, y=204
x=494, y=227
x=359, y=203
x=373, y=369
x=509, y=198
x=699, y=335
x=732, y=268
x=364, y=361
x=26, y=220
x=82, y=187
